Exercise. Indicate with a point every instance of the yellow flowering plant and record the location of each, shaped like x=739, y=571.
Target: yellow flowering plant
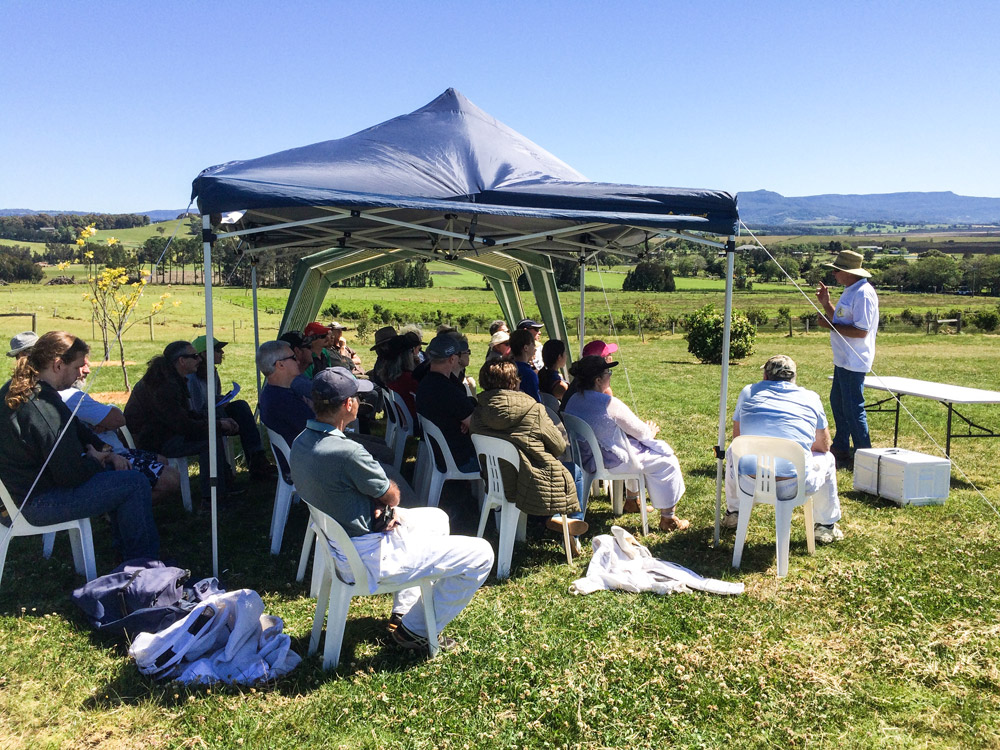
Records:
x=114, y=299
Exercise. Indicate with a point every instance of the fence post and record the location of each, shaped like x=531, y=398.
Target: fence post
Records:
x=807, y=325
x=958, y=325
x=234, y=331
x=150, y=327
x=34, y=323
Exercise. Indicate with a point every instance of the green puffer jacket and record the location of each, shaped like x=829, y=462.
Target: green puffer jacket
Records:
x=543, y=486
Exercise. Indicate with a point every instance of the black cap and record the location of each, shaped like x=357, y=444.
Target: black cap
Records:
x=294, y=339
x=529, y=323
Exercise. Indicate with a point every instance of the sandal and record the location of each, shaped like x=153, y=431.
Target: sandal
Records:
x=673, y=523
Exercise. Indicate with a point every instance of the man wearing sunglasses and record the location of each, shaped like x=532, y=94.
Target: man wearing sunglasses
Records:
x=160, y=418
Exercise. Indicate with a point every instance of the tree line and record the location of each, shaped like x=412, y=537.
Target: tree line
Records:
x=63, y=227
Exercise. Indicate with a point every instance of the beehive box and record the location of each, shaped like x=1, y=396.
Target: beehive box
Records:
x=903, y=476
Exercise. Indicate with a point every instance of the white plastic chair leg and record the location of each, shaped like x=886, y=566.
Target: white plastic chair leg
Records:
x=746, y=505
x=434, y=490
x=282, y=504
x=616, y=489
x=510, y=518
x=807, y=510
x=181, y=464
x=643, y=512
x=567, y=544
x=4, y=543
x=48, y=543
x=82, y=543
x=782, y=535
x=307, y=544
x=336, y=623
x=322, y=604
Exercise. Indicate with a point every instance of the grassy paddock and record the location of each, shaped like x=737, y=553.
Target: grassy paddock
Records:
x=887, y=639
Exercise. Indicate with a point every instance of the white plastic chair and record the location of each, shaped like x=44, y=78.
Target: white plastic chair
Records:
x=512, y=521
x=180, y=463
x=284, y=492
x=404, y=427
x=335, y=594
x=80, y=537
x=768, y=450
x=550, y=401
x=390, y=416
x=581, y=433
x=433, y=477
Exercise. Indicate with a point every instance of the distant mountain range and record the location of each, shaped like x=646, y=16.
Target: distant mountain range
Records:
x=767, y=208
x=154, y=216
x=764, y=207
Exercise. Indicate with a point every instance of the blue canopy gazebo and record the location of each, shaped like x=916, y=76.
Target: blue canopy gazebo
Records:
x=447, y=182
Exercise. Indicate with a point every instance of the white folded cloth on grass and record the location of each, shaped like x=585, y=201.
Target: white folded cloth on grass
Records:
x=620, y=563
x=226, y=638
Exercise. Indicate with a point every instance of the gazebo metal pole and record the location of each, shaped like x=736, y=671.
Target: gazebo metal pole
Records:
x=583, y=286
x=256, y=325
x=210, y=395
x=720, y=448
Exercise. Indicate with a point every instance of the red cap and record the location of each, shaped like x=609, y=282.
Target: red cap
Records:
x=599, y=349
x=316, y=329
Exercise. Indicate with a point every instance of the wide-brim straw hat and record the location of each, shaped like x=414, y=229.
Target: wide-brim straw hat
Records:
x=849, y=261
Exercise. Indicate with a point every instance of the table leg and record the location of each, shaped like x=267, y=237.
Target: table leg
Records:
x=947, y=442
x=895, y=433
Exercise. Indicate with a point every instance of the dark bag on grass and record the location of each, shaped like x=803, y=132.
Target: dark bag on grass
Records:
x=140, y=595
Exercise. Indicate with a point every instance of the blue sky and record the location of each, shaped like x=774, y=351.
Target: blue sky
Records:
x=116, y=106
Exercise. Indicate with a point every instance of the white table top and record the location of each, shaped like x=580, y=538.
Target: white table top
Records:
x=949, y=394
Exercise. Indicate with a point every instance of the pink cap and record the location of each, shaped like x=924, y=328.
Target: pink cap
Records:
x=599, y=349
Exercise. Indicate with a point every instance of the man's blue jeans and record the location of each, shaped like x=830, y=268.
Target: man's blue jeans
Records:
x=126, y=495
x=847, y=402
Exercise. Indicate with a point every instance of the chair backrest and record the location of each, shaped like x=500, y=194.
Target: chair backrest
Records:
x=553, y=415
x=437, y=445
x=390, y=417
x=495, y=450
x=768, y=450
x=282, y=453
x=126, y=436
x=404, y=420
x=330, y=531
x=580, y=433
x=550, y=401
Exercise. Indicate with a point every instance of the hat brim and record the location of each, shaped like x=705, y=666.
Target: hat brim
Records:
x=853, y=271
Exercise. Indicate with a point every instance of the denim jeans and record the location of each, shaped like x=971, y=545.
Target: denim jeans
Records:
x=577, y=473
x=125, y=495
x=847, y=402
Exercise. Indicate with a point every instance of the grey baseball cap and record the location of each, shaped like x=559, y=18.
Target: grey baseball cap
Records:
x=779, y=367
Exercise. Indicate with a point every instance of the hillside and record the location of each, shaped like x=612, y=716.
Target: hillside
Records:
x=764, y=207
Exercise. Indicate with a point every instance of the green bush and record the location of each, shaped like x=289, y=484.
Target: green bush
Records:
x=704, y=335
x=985, y=320
x=757, y=316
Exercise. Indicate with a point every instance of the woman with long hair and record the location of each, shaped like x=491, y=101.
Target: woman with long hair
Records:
x=625, y=438
x=55, y=468
x=395, y=370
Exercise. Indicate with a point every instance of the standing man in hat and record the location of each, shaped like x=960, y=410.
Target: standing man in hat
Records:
x=853, y=324
x=536, y=330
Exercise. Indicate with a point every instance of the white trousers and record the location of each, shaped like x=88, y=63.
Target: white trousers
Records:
x=420, y=546
x=662, y=472
x=821, y=483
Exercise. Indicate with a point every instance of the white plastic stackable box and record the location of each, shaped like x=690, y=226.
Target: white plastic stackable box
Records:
x=905, y=477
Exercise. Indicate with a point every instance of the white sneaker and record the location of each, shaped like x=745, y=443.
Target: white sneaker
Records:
x=826, y=534
x=730, y=520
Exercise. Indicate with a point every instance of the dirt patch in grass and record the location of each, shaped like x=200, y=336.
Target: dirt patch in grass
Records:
x=111, y=397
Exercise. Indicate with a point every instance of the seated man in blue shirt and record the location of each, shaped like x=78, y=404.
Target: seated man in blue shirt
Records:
x=777, y=407
x=396, y=545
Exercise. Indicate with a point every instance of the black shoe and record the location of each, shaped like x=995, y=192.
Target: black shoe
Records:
x=261, y=468
x=395, y=620
x=843, y=460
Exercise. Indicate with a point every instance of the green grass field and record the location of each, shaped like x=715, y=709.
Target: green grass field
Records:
x=888, y=639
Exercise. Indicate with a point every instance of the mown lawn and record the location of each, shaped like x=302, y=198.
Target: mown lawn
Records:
x=887, y=639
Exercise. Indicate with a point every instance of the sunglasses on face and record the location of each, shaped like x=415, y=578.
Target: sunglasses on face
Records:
x=285, y=359
x=189, y=356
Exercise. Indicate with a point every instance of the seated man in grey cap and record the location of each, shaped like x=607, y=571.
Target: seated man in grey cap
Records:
x=777, y=407
x=396, y=545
